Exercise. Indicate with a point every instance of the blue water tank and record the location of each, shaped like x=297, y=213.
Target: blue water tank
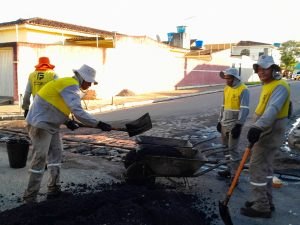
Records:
x=181, y=29
x=170, y=36
x=199, y=43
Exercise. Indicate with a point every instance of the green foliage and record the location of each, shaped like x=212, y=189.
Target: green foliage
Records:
x=289, y=50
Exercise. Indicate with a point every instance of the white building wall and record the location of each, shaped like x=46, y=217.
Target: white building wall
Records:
x=222, y=58
x=256, y=51
x=245, y=62
x=140, y=65
x=65, y=59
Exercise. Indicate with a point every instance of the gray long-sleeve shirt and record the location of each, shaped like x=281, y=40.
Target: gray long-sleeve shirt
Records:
x=275, y=103
x=44, y=115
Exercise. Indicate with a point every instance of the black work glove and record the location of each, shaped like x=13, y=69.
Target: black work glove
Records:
x=25, y=113
x=254, y=134
x=104, y=126
x=219, y=127
x=72, y=125
x=236, y=131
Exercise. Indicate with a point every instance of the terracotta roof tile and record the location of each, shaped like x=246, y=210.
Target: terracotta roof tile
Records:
x=55, y=24
x=250, y=43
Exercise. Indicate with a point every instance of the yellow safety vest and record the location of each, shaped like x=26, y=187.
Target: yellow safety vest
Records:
x=267, y=90
x=39, y=78
x=51, y=93
x=232, y=97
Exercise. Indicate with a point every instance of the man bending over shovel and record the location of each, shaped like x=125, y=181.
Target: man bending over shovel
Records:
x=51, y=108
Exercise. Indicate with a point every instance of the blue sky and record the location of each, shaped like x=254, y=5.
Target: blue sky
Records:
x=213, y=21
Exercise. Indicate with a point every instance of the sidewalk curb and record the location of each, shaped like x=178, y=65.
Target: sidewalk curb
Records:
x=11, y=117
x=110, y=108
x=186, y=96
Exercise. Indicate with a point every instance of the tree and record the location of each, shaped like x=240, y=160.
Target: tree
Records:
x=290, y=51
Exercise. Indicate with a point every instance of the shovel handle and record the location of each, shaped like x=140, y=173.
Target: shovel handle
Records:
x=119, y=129
x=238, y=172
x=113, y=128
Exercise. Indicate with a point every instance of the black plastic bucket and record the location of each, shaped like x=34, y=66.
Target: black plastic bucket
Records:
x=17, y=150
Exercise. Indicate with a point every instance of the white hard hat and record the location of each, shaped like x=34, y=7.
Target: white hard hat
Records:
x=87, y=73
x=230, y=71
x=265, y=62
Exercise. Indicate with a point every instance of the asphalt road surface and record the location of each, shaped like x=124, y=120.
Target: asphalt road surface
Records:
x=176, y=117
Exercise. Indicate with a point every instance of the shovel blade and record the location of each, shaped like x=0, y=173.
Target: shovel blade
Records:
x=139, y=126
x=224, y=213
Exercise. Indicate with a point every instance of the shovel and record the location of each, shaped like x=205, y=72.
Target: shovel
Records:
x=139, y=125
x=223, y=209
x=133, y=128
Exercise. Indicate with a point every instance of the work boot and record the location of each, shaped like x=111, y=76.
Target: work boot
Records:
x=225, y=174
x=248, y=204
x=250, y=212
x=28, y=201
x=58, y=194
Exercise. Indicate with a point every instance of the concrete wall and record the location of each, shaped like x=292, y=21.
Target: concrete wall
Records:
x=139, y=64
x=245, y=62
x=65, y=58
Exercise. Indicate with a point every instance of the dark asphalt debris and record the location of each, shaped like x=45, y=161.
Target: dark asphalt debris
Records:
x=113, y=204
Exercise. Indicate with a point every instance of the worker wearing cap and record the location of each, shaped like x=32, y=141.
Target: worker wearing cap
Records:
x=233, y=114
x=37, y=79
x=51, y=108
x=267, y=133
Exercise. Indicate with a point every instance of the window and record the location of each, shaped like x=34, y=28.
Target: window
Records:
x=245, y=52
x=260, y=54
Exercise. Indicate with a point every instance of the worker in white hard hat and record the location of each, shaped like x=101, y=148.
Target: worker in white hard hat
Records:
x=51, y=108
x=233, y=114
x=267, y=133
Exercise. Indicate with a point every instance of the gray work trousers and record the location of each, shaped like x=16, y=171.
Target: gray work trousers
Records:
x=261, y=165
x=48, y=147
x=233, y=152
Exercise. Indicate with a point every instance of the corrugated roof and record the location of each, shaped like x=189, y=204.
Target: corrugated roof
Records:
x=56, y=24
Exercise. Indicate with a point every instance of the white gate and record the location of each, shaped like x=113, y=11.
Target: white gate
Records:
x=6, y=72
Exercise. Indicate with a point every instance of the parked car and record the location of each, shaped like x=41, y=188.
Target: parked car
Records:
x=296, y=76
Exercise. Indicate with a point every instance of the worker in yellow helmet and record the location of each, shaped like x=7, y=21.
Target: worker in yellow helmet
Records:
x=51, y=108
x=267, y=133
x=233, y=114
x=37, y=79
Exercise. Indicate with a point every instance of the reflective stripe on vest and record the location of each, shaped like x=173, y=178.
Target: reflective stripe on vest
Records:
x=51, y=93
x=39, y=78
x=267, y=90
x=232, y=97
